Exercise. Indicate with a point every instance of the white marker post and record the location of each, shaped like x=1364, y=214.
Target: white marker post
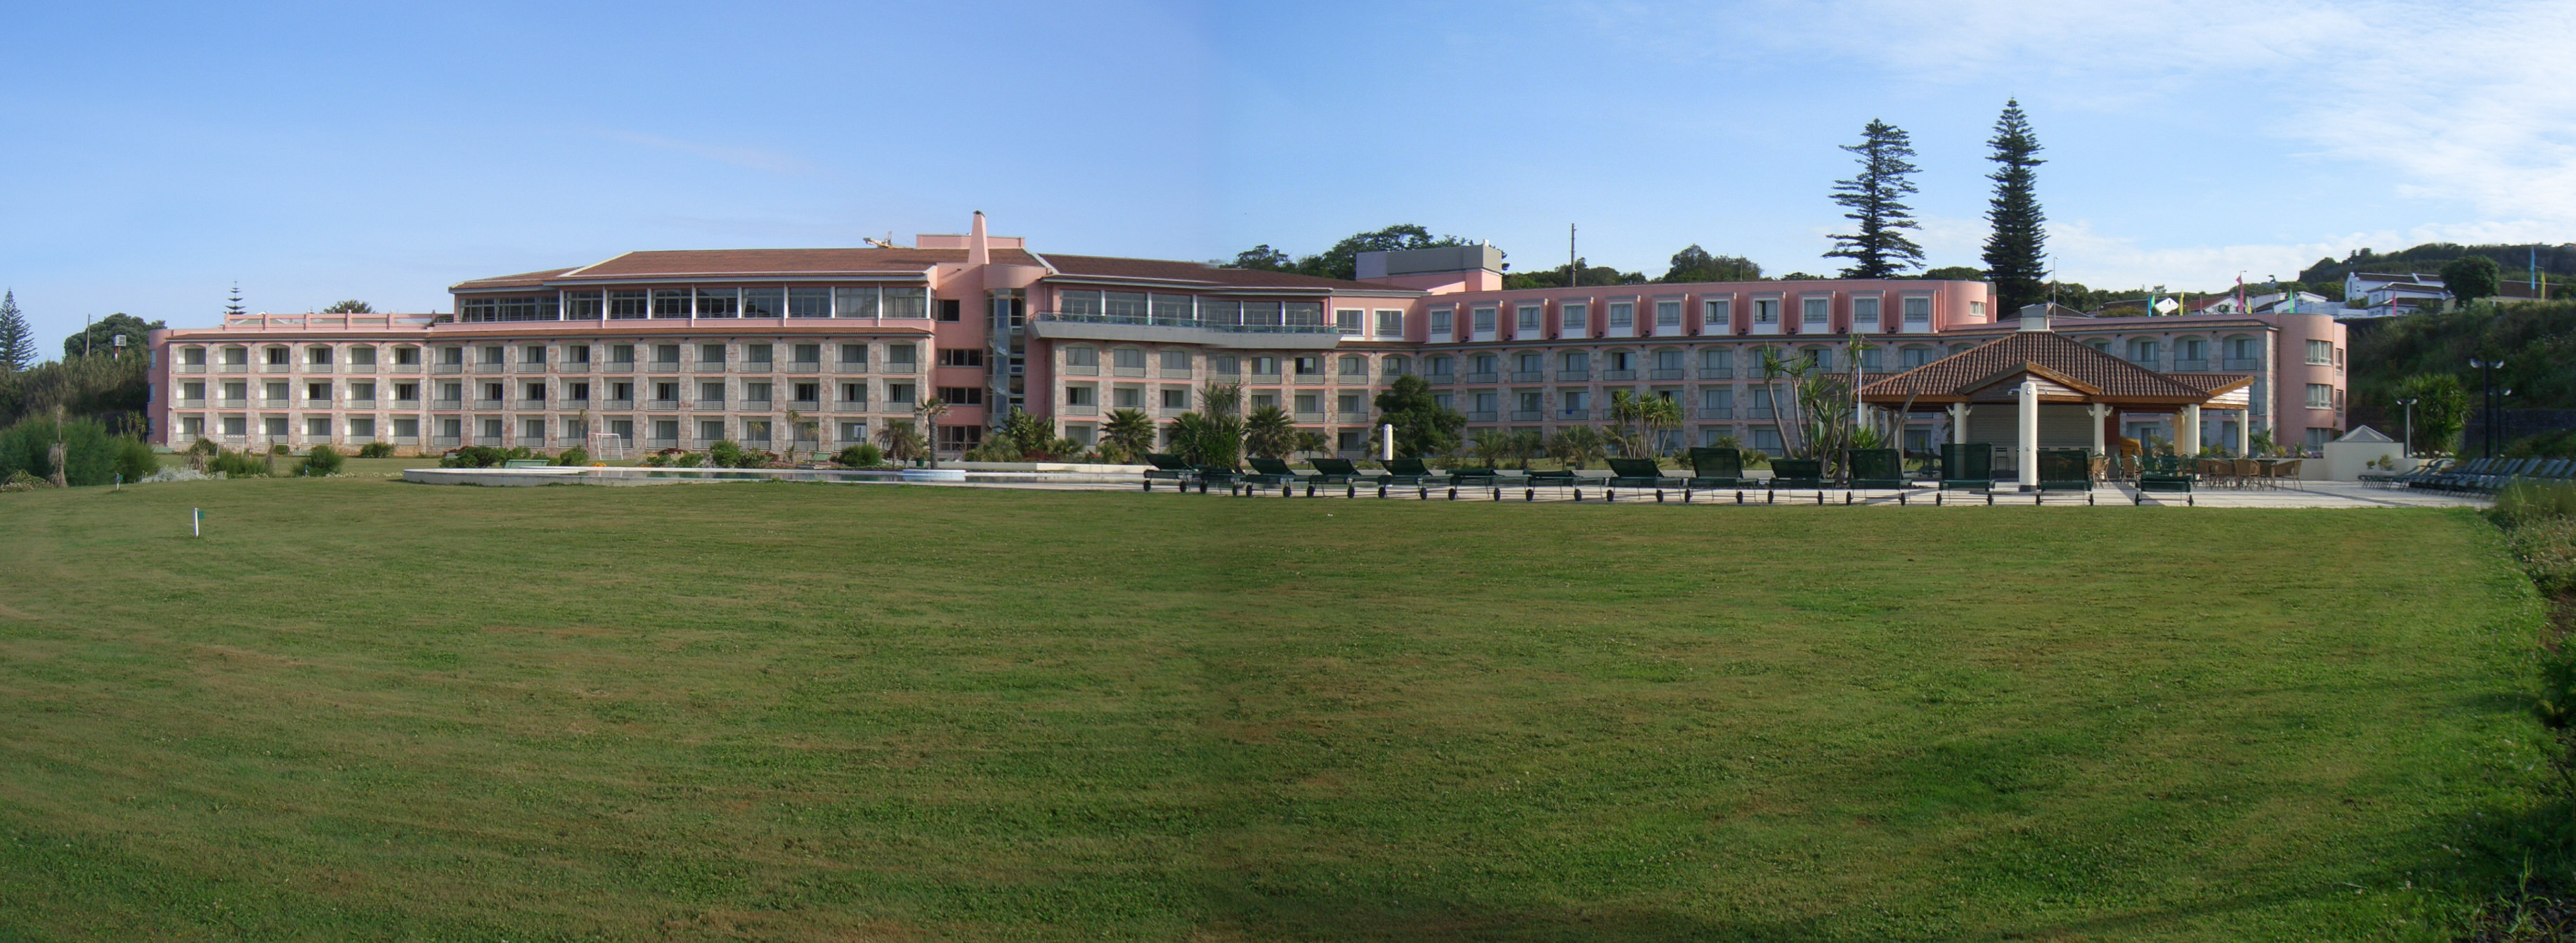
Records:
x=196, y=522
x=1386, y=442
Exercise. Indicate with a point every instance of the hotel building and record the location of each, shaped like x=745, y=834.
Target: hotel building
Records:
x=817, y=348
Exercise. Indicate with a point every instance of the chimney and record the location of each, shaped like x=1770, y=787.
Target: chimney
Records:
x=977, y=252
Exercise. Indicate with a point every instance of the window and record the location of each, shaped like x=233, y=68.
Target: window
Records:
x=1869, y=358
x=573, y=392
x=854, y=302
x=1822, y=357
x=1176, y=397
x=1128, y=358
x=1918, y=310
x=950, y=309
x=1347, y=320
x=494, y=355
x=899, y=394
x=856, y=392
x=1354, y=366
x=532, y=353
x=854, y=355
x=713, y=392
x=1481, y=321
x=629, y=304
x=906, y=303
x=1439, y=366
x=1309, y=403
x=854, y=431
x=961, y=357
x=582, y=305
x=1172, y=309
x=2320, y=396
x=1574, y=402
x=1913, y=357
x=1574, y=319
x=1717, y=316
x=1815, y=312
x=1265, y=367
x=1668, y=314
x=809, y=302
x=1766, y=310
x=1390, y=323
x=1126, y=397
x=1440, y=327
x=711, y=354
x=2191, y=348
x=1225, y=366
x=1082, y=396
x=962, y=395
x=1623, y=315
x=2242, y=348
x=1082, y=357
x=318, y=427
x=1394, y=365
x=1668, y=364
x=900, y=356
x=719, y=302
x=1077, y=301
x=2320, y=352
x=1717, y=361
x=1766, y=440
x=317, y=392
x=1717, y=402
x=666, y=353
x=1577, y=360
x=576, y=353
x=1347, y=404
x=711, y=429
x=1303, y=313
x=1310, y=366
x=1176, y=361
x=320, y=356
x=808, y=354
x=1865, y=311
x=406, y=356
x=277, y=356
x=670, y=302
x=1977, y=310
x=764, y=302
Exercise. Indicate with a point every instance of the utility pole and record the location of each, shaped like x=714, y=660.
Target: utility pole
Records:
x=2487, y=367
x=1573, y=269
x=2410, y=425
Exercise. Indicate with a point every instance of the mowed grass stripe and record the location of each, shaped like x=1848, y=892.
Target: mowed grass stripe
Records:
x=362, y=708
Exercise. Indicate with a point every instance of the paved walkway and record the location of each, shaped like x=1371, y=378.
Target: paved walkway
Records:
x=2311, y=494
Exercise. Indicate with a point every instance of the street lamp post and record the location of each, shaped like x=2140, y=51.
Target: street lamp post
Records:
x=2487, y=368
x=2410, y=426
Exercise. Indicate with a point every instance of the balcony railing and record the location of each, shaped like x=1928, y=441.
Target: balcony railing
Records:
x=805, y=405
x=233, y=402
x=1529, y=376
x=1528, y=415
x=311, y=367
x=805, y=366
x=1140, y=320
x=1717, y=373
x=2241, y=363
x=711, y=405
x=407, y=403
x=1440, y=379
x=1573, y=376
x=850, y=406
x=447, y=404
x=617, y=404
x=850, y=367
x=1482, y=416
x=2190, y=366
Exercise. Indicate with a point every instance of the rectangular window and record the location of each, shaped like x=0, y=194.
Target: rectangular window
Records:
x=1082, y=396
x=901, y=356
x=1176, y=361
x=951, y=309
x=1481, y=321
x=2320, y=396
x=666, y=353
x=1918, y=310
x=1717, y=402
x=1127, y=397
x=1347, y=320
x=1172, y=309
x=1623, y=315
x=1815, y=312
x=711, y=355
x=1717, y=316
x=1766, y=310
x=1082, y=357
x=1303, y=313
x=2320, y=352
x=900, y=394
x=1390, y=322
x=1865, y=311
x=907, y=303
x=759, y=355
x=854, y=392
x=670, y=302
x=854, y=302
x=1310, y=366
x=808, y=355
x=962, y=395
x=719, y=302
x=1354, y=366
x=1176, y=398
x=1574, y=319
x=1528, y=320
x=1214, y=311
x=1668, y=314
x=1440, y=327
x=854, y=355
x=961, y=357
x=1309, y=403
x=406, y=356
x=582, y=305
x=1084, y=302
x=532, y=353
x=809, y=302
x=634, y=303
x=1128, y=358
x=1123, y=305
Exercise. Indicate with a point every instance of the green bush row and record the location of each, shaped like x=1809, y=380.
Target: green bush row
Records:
x=91, y=456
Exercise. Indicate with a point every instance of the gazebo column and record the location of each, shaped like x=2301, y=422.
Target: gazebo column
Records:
x=2029, y=437
x=2187, y=431
x=1958, y=423
x=2099, y=412
x=2245, y=433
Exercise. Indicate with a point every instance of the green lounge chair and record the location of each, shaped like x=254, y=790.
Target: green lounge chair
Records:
x=1340, y=471
x=1717, y=468
x=1216, y=475
x=1638, y=473
x=1169, y=468
x=1531, y=481
x=1791, y=474
x=1411, y=471
x=1270, y=471
x=2166, y=474
x=1875, y=470
x=1967, y=466
x=2065, y=470
x=1475, y=478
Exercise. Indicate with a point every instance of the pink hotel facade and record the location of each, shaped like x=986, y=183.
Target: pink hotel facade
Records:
x=681, y=348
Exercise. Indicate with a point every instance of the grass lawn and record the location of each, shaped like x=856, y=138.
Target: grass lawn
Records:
x=364, y=709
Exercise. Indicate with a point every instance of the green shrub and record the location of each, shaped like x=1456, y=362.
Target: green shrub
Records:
x=689, y=460
x=90, y=454
x=2547, y=548
x=476, y=456
x=2531, y=501
x=724, y=454
x=573, y=456
x=279, y=449
x=323, y=460
x=376, y=450
x=134, y=459
x=862, y=455
x=237, y=465
x=205, y=447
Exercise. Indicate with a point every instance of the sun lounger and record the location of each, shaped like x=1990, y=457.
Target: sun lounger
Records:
x=1874, y=470
x=2065, y=470
x=1169, y=468
x=1967, y=467
x=1638, y=473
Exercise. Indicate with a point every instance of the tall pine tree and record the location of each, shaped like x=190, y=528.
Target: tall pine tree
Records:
x=17, y=340
x=1879, y=249
x=2016, y=253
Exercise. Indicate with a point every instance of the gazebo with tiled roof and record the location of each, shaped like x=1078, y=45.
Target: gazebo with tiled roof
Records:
x=2056, y=393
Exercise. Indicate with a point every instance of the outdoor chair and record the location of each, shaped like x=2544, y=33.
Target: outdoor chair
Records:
x=1793, y=474
x=2407, y=479
x=1967, y=467
x=2244, y=471
x=1716, y=469
x=1638, y=473
x=1270, y=471
x=1475, y=478
x=1410, y=471
x=1169, y=468
x=1531, y=481
x=2448, y=477
x=1874, y=470
x=1340, y=471
x=2065, y=470
x=2283, y=471
x=1215, y=475
x=2166, y=482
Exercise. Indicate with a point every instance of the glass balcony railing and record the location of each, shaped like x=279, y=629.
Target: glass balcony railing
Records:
x=1168, y=321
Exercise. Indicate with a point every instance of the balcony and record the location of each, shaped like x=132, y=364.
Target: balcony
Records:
x=847, y=366
x=805, y=405
x=1309, y=417
x=1529, y=376
x=1136, y=328
x=1761, y=412
x=1717, y=412
x=197, y=402
x=850, y=406
x=912, y=366
x=491, y=368
x=1573, y=415
x=1440, y=379
x=1485, y=416
x=232, y=402
x=359, y=368
x=447, y=404
x=528, y=405
x=664, y=366
x=1480, y=378
x=1350, y=418
x=449, y=368
x=1574, y=376
x=311, y=367
x=805, y=366
x=1084, y=409
x=407, y=404
x=487, y=404
x=658, y=444
x=1615, y=375
x=617, y=405
x=276, y=402
x=362, y=403
x=711, y=405
x=442, y=440
x=233, y=368
x=574, y=367
x=276, y=368
x=2191, y=366
x=192, y=368
x=1269, y=378
x=663, y=404
x=1667, y=373
x=618, y=366
x=757, y=404
x=2241, y=363
x=1528, y=415
x=1717, y=373
x=759, y=366
x=526, y=367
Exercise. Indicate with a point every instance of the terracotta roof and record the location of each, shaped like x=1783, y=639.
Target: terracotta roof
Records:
x=522, y=280
x=734, y=263
x=1199, y=273
x=2047, y=353
x=2212, y=383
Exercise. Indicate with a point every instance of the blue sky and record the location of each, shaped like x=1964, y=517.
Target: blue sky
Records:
x=151, y=155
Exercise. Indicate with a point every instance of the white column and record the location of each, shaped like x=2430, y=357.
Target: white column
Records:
x=2099, y=412
x=2029, y=434
x=1959, y=423
x=2245, y=433
x=2187, y=436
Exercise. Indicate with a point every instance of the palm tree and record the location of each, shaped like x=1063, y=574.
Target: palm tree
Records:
x=1492, y=445
x=1218, y=435
x=1527, y=444
x=1269, y=433
x=928, y=413
x=902, y=441
x=1657, y=416
x=1310, y=442
x=1577, y=446
x=1129, y=434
